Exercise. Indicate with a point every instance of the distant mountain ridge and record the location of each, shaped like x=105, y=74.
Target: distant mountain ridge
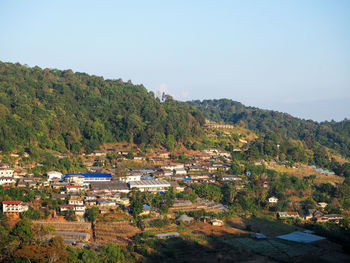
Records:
x=335, y=135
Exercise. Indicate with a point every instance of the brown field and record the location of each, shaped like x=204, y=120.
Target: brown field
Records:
x=208, y=229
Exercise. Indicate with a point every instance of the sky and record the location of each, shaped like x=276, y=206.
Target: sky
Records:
x=290, y=56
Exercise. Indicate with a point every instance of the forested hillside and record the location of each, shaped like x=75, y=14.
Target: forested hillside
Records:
x=60, y=110
x=335, y=135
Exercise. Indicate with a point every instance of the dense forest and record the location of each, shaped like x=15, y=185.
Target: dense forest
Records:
x=334, y=135
x=62, y=110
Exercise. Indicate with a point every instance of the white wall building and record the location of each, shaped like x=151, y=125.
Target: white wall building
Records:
x=7, y=180
x=14, y=207
x=150, y=185
x=6, y=172
x=54, y=175
x=273, y=199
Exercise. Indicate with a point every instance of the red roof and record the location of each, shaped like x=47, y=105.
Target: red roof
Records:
x=73, y=186
x=12, y=202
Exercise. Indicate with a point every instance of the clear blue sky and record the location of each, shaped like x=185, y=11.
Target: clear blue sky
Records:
x=290, y=56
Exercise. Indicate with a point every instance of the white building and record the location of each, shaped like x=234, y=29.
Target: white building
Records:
x=150, y=185
x=273, y=199
x=133, y=177
x=91, y=177
x=7, y=180
x=14, y=207
x=73, y=188
x=6, y=172
x=54, y=175
x=180, y=171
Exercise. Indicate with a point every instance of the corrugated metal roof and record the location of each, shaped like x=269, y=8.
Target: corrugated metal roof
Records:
x=91, y=175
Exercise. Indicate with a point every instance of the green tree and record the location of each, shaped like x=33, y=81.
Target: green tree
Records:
x=92, y=213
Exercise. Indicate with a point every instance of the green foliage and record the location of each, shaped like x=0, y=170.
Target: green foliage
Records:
x=22, y=230
x=62, y=110
x=208, y=191
x=70, y=215
x=32, y=214
x=136, y=206
x=92, y=213
x=332, y=134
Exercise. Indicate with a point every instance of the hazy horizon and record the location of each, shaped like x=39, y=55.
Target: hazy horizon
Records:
x=287, y=56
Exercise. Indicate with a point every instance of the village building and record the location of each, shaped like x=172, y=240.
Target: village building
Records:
x=109, y=187
x=285, y=215
x=216, y=222
x=322, y=204
x=273, y=200
x=150, y=185
x=329, y=218
x=14, y=207
x=131, y=177
x=172, y=166
x=90, y=177
x=7, y=180
x=180, y=171
x=177, y=187
x=75, y=200
x=6, y=172
x=54, y=175
x=73, y=188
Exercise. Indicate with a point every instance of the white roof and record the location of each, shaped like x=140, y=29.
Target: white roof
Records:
x=149, y=183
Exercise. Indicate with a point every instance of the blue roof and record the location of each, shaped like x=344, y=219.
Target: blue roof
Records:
x=187, y=179
x=91, y=175
x=147, y=207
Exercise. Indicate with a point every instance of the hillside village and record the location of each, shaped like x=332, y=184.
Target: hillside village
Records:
x=159, y=194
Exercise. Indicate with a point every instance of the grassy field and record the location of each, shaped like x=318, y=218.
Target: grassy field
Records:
x=302, y=172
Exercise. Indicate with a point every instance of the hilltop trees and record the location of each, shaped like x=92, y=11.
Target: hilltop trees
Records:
x=62, y=110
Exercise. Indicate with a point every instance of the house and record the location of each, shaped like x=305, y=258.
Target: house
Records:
x=75, y=200
x=230, y=177
x=123, y=201
x=92, y=177
x=106, y=203
x=273, y=200
x=73, y=188
x=14, y=207
x=172, y=166
x=59, y=196
x=146, y=210
x=185, y=219
x=167, y=235
x=76, y=179
x=78, y=209
x=177, y=187
x=150, y=185
x=54, y=175
x=285, y=215
x=329, y=218
x=180, y=171
x=99, y=153
x=322, y=204
x=195, y=168
x=313, y=214
x=216, y=222
x=109, y=187
x=6, y=172
x=7, y=180
x=131, y=177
